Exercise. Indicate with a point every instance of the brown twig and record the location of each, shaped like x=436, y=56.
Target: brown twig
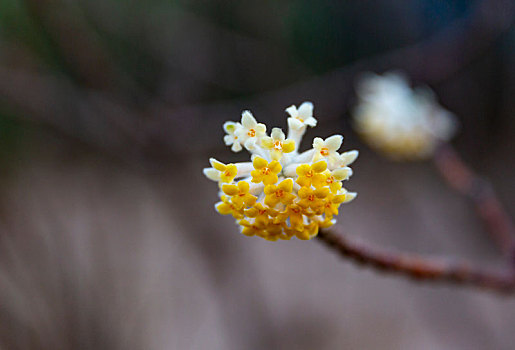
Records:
x=418, y=267
x=462, y=178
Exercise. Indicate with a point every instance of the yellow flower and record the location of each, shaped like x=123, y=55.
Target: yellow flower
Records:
x=259, y=210
x=240, y=194
x=334, y=178
x=226, y=207
x=279, y=194
x=275, y=231
x=332, y=203
x=255, y=228
x=227, y=172
x=283, y=192
x=265, y=172
x=309, y=231
x=295, y=213
x=326, y=223
x=277, y=145
x=311, y=174
x=313, y=198
x=263, y=228
x=223, y=173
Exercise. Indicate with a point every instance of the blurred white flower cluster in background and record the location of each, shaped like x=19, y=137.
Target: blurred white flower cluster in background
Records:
x=400, y=122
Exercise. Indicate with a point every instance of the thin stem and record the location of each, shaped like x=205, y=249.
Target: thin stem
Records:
x=462, y=178
x=418, y=267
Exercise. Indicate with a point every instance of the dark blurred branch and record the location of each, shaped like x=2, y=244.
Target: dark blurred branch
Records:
x=431, y=61
x=462, y=178
x=75, y=42
x=167, y=130
x=417, y=267
x=87, y=116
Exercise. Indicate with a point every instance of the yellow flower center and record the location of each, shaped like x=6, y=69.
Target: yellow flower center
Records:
x=262, y=212
x=252, y=133
x=278, y=145
x=295, y=210
x=279, y=193
x=310, y=173
x=311, y=197
x=324, y=151
x=330, y=180
x=227, y=173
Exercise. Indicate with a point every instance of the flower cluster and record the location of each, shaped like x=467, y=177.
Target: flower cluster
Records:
x=402, y=123
x=281, y=192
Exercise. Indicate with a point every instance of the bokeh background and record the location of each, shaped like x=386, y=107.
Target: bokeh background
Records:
x=109, y=110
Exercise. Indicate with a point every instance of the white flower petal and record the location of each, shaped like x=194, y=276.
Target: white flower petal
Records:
x=212, y=174
x=247, y=120
x=343, y=173
x=295, y=124
x=291, y=170
x=349, y=196
x=250, y=143
x=292, y=111
x=334, y=142
x=342, y=190
x=236, y=147
x=256, y=189
x=305, y=157
x=228, y=140
x=260, y=130
x=244, y=169
x=318, y=143
x=348, y=158
x=311, y=122
x=305, y=110
x=333, y=160
x=230, y=127
x=241, y=134
x=278, y=134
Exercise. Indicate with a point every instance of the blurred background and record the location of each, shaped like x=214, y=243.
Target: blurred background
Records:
x=110, y=109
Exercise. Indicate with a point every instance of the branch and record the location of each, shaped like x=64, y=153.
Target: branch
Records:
x=418, y=267
x=462, y=178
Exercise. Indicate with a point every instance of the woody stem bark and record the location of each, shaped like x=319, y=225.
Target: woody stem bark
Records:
x=464, y=180
x=419, y=267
